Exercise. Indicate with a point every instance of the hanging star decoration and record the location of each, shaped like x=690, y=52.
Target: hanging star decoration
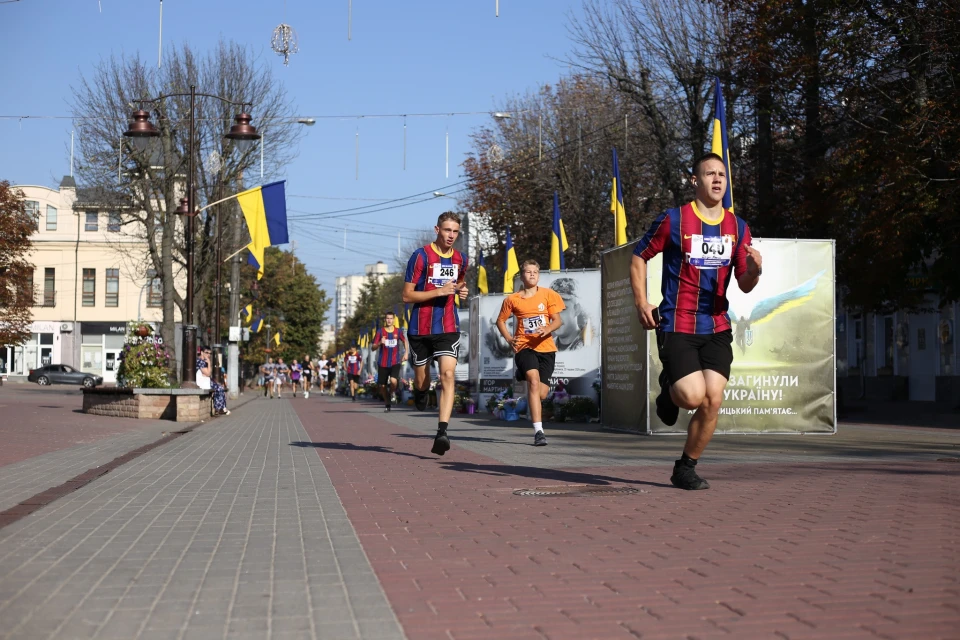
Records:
x=285, y=42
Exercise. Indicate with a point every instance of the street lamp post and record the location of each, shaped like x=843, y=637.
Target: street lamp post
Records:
x=141, y=131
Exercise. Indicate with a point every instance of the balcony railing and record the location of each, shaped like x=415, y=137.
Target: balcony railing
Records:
x=44, y=298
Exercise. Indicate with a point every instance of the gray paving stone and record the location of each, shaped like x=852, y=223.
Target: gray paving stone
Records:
x=224, y=532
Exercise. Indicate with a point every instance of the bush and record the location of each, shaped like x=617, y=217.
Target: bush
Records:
x=144, y=361
x=577, y=408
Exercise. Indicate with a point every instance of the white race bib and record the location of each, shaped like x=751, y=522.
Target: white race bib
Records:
x=441, y=274
x=710, y=252
x=390, y=343
x=530, y=325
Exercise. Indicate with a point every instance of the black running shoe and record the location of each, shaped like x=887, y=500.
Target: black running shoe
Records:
x=666, y=410
x=539, y=439
x=386, y=409
x=353, y=398
x=685, y=477
x=441, y=444
x=420, y=401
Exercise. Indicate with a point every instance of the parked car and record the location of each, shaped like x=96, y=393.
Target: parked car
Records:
x=63, y=374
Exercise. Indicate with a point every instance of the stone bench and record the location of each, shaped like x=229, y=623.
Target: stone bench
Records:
x=182, y=405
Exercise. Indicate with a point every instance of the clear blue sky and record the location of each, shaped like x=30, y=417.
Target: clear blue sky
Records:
x=404, y=57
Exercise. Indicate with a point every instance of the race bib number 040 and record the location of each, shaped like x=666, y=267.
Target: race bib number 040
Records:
x=531, y=325
x=710, y=252
x=441, y=274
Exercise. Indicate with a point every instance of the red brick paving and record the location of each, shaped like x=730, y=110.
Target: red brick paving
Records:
x=840, y=550
x=36, y=420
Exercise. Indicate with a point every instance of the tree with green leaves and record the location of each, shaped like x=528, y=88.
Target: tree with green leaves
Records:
x=286, y=290
x=16, y=273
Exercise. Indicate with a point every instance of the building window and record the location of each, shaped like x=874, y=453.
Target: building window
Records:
x=89, y=287
x=33, y=210
x=49, y=287
x=29, y=293
x=51, y=218
x=113, y=222
x=154, y=289
x=92, y=221
x=113, y=288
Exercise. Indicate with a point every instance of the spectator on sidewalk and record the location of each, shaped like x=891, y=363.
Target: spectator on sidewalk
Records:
x=205, y=381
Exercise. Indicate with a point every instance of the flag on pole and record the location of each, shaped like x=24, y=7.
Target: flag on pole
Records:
x=265, y=210
x=247, y=313
x=276, y=338
x=257, y=325
x=719, y=143
x=482, y=285
x=510, y=267
x=558, y=238
x=616, y=205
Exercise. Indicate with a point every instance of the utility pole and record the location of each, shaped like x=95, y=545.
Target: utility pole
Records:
x=233, y=351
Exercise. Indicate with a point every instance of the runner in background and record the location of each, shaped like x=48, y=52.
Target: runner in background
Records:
x=309, y=370
x=434, y=277
x=387, y=341
x=538, y=315
x=296, y=373
x=353, y=362
x=280, y=373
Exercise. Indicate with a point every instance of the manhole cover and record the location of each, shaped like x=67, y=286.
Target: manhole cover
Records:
x=575, y=490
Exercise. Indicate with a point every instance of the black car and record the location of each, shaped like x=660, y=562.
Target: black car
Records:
x=63, y=374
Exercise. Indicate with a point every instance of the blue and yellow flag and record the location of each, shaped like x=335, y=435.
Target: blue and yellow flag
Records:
x=616, y=205
x=482, y=285
x=558, y=238
x=510, y=266
x=719, y=143
x=276, y=338
x=247, y=313
x=265, y=210
x=257, y=326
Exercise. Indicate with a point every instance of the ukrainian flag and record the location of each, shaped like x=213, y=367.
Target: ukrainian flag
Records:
x=257, y=325
x=510, y=268
x=265, y=210
x=616, y=205
x=558, y=238
x=719, y=144
x=247, y=312
x=482, y=275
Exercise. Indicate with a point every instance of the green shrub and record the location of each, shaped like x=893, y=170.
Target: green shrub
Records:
x=144, y=361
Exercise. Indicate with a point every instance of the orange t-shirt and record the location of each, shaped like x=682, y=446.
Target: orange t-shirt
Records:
x=532, y=313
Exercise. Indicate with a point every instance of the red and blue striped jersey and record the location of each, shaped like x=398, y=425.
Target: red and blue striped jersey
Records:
x=353, y=362
x=428, y=270
x=389, y=353
x=698, y=260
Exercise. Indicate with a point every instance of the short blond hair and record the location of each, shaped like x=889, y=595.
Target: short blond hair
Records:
x=530, y=263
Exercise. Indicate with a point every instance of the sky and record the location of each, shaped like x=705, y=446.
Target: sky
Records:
x=428, y=56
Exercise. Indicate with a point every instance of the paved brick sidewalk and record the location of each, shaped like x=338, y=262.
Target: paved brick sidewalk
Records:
x=226, y=532
x=837, y=541
x=46, y=441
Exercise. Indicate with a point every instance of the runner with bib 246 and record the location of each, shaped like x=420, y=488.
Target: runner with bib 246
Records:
x=703, y=244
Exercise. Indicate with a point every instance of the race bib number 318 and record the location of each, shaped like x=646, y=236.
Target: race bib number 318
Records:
x=710, y=252
x=441, y=274
x=530, y=325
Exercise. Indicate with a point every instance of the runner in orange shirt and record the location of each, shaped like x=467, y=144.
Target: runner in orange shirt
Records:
x=538, y=315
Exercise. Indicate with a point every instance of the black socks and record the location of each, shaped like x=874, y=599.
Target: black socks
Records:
x=442, y=427
x=687, y=460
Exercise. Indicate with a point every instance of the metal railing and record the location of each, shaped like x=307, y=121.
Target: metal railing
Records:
x=44, y=298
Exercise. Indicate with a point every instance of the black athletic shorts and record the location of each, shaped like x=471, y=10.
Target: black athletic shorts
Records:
x=331, y=376
x=353, y=377
x=686, y=353
x=528, y=360
x=308, y=375
x=385, y=373
x=423, y=348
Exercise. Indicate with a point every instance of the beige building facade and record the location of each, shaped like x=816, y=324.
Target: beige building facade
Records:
x=91, y=276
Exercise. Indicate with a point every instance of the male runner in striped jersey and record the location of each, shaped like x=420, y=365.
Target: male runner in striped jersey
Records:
x=703, y=244
x=435, y=276
x=387, y=342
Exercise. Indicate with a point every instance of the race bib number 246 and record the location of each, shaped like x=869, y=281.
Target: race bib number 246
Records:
x=441, y=274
